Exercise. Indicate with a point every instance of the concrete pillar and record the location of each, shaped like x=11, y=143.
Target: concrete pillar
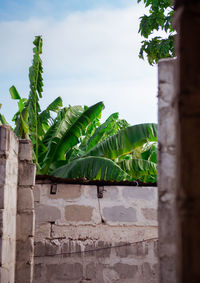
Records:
x=167, y=170
x=25, y=214
x=187, y=23
x=8, y=203
x=17, y=216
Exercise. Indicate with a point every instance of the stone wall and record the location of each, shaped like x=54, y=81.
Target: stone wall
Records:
x=25, y=214
x=71, y=233
x=17, y=177
x=8, y=203
x=167, y=137
x=95, y=234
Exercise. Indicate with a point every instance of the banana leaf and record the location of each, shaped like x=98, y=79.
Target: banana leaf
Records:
x=140, y=169
x=2, y=118
x=68, y=132
x=92, y=168
x=14, y=93
x=102, y=130
x=45, y=116
x=125, y=141
x=150, y=152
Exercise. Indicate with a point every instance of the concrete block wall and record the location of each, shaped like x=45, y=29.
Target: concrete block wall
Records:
x=82, y=238
x=71, y=233
x=17, y=177
x=25, y=214
x=167, y=161
x=8, y=203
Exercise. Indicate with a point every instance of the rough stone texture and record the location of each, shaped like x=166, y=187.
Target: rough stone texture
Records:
x=119, y=214
x=79, y=238
x=187, y=22
x=124, y=205
x=46, y=213
x=25, y=150
x=150, y=213
x=78, y=213
x=25, y=215
x=112, y=239
x=27, y=172
x=65, y=271
x=167, y=169
x=8, y=203
x=65, y=191
x=100, y=263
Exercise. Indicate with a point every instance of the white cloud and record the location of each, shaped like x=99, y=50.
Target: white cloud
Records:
x=87, y=57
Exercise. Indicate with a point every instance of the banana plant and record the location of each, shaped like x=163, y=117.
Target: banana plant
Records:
x=30, y=122
x=75, y=144
x=2, y=118
x=104, y=158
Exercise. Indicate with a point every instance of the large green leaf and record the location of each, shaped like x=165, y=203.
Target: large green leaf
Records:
x=3, y=120
x=125, y=141
x=54, y=106
x=139, y=169
x=102, y=130
x=150, y=152
x=68, y=132
x=14, y=93
x=45, y=116
x=92, y=168
x=36, y=89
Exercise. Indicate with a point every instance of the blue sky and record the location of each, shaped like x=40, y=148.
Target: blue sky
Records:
x=90, y=54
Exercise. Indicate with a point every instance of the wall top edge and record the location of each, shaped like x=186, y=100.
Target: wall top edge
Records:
x=166, y=60
x=45, y=179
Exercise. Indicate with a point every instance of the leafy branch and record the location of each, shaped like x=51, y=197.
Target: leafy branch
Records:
x=159, y=18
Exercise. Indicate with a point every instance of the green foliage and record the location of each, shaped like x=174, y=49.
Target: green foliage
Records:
x=30, y=122
x=92, y=168
x=107, y=160
x=2, y=118
x=75, y=144
x=159, y=18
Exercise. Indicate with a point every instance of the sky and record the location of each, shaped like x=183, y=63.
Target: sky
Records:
x=90, y=54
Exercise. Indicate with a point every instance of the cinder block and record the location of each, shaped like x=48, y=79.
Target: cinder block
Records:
x=4, y=139
x=53, y=247
x=38, y=271
x=78, y=213
x=150, y=213
x=5, y=275
x=24, y=272
x=63, y=272
x=2, y=171
x=119, y=214
x=27, y=173
x=71, y=247
x=25, y=150
x=143, y=193
x=39, y=248
x=42, y=231
x=126, y=271
x=7, y=251
x=110, y=275
x=67, y=192
x=103, y=249
x=25, y=225
x=36, y=193
x=8, y=222
x=25, y=199
x=25, y=250
x=150, y=273
x=46, y=213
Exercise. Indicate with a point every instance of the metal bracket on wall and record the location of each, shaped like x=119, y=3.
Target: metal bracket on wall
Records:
x=100, y=190
x=53, y=190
